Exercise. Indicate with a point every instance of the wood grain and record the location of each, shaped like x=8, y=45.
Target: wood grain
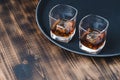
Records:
x=26, y=54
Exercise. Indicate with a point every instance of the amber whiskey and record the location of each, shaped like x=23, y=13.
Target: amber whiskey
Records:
x=63, y=30
x=92, y=39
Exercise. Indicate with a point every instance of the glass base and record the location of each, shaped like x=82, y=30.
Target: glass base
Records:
x=89, y=50
x=62, y=39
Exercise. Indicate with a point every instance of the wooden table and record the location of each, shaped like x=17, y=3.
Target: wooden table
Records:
x=26, y=54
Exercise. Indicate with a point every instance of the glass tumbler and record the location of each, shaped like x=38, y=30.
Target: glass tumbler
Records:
x=92, y=33
x=62, y=19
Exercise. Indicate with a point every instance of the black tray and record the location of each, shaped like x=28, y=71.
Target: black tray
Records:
x=109, y=9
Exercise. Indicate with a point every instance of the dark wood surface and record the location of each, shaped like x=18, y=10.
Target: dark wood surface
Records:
x=26, y=54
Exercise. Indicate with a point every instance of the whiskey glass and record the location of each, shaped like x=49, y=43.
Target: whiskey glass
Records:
x=92, y=33
x=62, y=20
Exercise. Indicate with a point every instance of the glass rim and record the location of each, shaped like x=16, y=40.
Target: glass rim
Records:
x=106, y=27
x=63, y=5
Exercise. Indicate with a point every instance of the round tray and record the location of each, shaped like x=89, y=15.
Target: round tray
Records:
x=106, y=8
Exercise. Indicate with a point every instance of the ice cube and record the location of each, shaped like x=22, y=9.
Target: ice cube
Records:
x=54, y=25
x=61, y=23
x=68, y=26
x=93, y=37
x=60, y=26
